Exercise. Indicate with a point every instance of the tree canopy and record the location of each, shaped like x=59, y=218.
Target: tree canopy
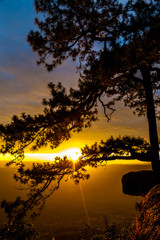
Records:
x=118, y=50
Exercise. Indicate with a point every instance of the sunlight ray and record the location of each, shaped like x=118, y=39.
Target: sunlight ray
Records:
x=84, y=204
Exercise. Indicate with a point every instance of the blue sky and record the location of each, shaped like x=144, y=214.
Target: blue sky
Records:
x=23, y=84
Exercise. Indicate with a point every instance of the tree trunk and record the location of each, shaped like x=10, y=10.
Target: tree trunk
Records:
x=151, y=116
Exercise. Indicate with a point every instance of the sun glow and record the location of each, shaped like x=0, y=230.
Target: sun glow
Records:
x=72, y=153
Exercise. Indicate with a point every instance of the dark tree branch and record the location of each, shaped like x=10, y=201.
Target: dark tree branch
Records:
x=105, y=106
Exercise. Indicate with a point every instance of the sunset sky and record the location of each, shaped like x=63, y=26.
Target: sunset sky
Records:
x=23, y=84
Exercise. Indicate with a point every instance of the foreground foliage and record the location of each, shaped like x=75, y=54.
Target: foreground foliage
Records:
x=106, y=231
x=18, y=230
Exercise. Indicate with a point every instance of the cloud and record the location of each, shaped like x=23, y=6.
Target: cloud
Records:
x=23, y=84
x=5, y=76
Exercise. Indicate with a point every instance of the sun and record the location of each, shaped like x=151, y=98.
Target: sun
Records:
x=71, y=153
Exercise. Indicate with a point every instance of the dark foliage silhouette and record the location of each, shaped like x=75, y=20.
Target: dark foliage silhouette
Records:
x=41, y=181
x=124, y=66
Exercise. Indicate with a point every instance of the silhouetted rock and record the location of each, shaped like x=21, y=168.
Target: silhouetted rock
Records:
x=138, y=183
x=148, y=222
